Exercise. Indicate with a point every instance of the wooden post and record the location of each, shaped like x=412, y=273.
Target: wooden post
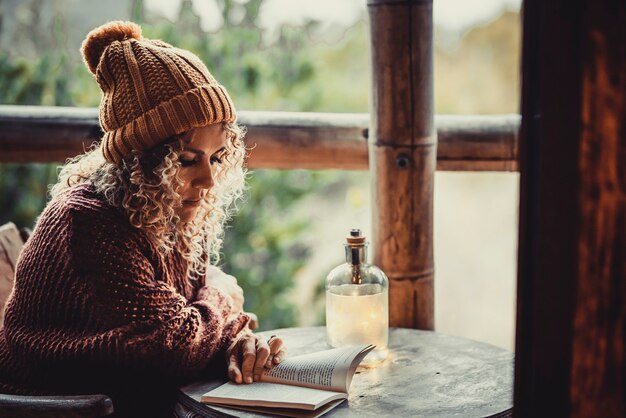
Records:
x=403, y=151
x=571, y=321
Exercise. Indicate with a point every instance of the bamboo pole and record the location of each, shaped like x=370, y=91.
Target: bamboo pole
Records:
x=285, y=140
x=403, y=151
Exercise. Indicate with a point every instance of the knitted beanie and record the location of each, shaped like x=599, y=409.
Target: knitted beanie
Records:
x=150, y=89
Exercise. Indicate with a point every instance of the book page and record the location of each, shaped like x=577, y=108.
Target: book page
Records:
x=269, y=394
x=288, y=412
x=328, y=370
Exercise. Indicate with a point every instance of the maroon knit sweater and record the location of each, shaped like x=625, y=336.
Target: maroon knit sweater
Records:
x=96, y=309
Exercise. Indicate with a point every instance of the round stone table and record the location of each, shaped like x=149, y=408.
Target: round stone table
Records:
x=427, y=374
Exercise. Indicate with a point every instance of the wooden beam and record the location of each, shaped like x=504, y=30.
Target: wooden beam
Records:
x=571, y=320
x=477, y=143
x=280, y=139
x=403, y=154
x=307, y=140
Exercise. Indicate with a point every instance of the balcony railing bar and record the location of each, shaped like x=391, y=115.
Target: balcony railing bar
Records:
x=283, y=140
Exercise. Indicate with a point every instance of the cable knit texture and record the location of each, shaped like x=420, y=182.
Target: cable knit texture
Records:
x=96, y=309
x=150, y=89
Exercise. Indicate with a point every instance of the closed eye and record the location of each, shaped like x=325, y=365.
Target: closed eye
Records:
x=185, y=162
x=216, y=158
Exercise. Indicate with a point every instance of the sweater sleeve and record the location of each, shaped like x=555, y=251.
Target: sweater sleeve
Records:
x=149, y=325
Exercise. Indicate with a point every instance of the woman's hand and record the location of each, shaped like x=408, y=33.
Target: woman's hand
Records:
x=250, y=354
x=226, y=284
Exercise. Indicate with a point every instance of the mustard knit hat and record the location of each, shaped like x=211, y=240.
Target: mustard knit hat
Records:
x=150, y=89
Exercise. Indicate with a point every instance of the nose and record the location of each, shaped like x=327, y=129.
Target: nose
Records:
x=204, y=177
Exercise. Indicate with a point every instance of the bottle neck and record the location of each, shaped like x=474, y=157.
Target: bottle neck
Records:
x=356, y=255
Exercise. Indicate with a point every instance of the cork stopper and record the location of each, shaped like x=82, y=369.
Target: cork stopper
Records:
x=355, y=239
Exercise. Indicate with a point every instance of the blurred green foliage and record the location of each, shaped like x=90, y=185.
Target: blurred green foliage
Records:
x=299, y=69
x=262, y=245
x=23, y=191
x=23, y=187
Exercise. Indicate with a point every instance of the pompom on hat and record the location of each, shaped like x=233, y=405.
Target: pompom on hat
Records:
x=150, y=89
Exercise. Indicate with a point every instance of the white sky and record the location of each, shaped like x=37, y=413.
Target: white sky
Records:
x=452, y=15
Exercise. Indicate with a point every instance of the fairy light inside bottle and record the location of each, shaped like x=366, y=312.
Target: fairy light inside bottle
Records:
x=357, y=301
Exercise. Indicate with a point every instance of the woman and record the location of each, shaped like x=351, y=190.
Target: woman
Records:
x=115, y=291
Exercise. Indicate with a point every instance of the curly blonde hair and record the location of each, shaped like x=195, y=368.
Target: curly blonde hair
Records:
x=146, y=186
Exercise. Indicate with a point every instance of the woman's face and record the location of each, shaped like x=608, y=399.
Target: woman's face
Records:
x=199, y=159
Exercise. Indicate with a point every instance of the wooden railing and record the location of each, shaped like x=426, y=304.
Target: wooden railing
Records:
x=287, y=140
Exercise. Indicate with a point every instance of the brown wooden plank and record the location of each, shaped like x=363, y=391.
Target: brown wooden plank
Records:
x=306, y=140
x=599, y=339
x=571, y=322
x=280, y=139
x=489, y=142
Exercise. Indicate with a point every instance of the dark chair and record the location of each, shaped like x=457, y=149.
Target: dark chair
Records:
x=12, y=406
x=79, y=406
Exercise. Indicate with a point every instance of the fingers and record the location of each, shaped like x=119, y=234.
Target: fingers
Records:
x=234, y=372
x=278, y=357
x=277, y=352
x=262, y=354
x=249, y=357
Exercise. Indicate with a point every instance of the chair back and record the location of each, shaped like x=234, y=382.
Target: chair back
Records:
x=82, y=406
x=11, y=242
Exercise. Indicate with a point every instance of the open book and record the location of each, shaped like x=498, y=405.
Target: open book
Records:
x=314, y=382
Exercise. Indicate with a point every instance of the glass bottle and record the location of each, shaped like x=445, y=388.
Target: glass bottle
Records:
x=357, y=301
